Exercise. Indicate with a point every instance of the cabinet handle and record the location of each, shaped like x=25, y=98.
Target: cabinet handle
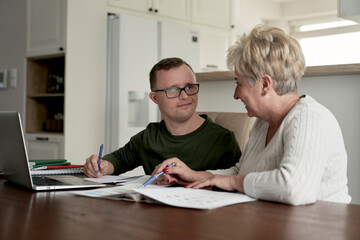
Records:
x=61, y=48
x=150, y=9
x=42, y=138
x=156, y=10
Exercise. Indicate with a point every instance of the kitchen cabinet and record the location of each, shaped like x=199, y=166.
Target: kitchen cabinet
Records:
x=45, y=94
x=45, y=27
x=45, y=107
x=213, y=48
x=44, y=146
x=214, y=13
x=174, y=9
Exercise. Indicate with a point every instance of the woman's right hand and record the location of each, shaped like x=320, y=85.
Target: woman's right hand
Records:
x=180, y=173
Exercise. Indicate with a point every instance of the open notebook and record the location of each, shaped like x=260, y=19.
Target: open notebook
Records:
x=14, y=162
x=168, y=195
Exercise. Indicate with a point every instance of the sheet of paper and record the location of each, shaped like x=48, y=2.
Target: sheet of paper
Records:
x=194, y=198
x=113, y=191
x=114, y=179
x=173, y=196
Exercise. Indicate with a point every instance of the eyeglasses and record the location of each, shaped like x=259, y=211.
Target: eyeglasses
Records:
x=174, y=92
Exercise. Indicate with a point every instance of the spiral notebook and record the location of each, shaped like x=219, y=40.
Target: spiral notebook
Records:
x=54, y=167
x=64, y=171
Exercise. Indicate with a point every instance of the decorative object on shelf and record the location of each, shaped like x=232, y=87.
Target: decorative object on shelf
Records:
x=55, y=84
x=56, y=124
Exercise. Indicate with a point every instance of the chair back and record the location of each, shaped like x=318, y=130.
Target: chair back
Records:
x=239, y=123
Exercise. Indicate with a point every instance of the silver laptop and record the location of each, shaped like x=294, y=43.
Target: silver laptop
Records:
x=14, y=163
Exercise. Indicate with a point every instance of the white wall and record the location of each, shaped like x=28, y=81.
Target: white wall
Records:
x=251, y=13
x=340, y=94
x=12, y=53
x=85, y=79
x=308, y=8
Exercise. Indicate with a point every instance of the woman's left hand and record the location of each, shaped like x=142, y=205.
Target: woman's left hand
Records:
x=227, y=183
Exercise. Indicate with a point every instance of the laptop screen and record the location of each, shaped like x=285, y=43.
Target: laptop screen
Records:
x=14, y=161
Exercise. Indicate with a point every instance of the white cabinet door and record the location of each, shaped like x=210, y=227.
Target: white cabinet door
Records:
x=175, y=9
x=45, y=146
x=137, y=5
x=213, y=49
x=216, y=13
x=45, y=27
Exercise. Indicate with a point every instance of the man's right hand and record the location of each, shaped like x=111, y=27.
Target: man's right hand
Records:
x=91, y=168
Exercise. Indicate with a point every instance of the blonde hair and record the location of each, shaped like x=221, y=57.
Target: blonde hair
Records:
x=268, y=50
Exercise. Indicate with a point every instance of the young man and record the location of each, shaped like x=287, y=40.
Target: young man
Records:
x=182, y=133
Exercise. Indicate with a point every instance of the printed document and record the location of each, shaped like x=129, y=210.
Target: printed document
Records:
x=173, y=196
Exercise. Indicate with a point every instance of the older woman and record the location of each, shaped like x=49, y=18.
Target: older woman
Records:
x=296, y=153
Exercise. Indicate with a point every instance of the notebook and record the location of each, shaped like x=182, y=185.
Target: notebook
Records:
x=14, y=163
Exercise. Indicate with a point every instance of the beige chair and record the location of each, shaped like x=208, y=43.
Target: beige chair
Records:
x=239, y=123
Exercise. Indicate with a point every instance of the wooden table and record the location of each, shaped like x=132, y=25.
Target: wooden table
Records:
x=62, y=215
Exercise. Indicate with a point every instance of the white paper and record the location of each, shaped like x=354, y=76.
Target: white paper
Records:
x=194, y=198
x=173, y=196
x=114, y=179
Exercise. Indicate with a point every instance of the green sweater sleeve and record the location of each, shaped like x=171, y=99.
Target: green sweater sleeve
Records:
x=126, y=158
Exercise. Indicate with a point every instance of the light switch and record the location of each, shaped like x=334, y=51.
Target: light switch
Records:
x=3, y=78
x=13, y=77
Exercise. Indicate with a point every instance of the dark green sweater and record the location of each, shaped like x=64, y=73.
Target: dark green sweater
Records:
x=207, y=148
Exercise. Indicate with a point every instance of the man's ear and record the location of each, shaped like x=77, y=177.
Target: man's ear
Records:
x=266, y=84
x=152, y=96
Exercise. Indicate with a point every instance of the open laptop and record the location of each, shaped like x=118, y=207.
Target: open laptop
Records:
x=14, y=163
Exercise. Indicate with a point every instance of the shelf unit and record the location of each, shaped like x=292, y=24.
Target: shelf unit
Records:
x=42, y=101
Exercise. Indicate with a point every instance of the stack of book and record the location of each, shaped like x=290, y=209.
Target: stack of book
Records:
x=54, y=166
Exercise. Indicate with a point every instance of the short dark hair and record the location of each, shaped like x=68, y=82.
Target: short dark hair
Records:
x=165, y=64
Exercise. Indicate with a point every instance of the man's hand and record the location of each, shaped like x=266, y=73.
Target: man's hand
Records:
x=91, y=168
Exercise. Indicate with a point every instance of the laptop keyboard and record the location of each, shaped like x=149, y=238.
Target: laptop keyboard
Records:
x=44, y=181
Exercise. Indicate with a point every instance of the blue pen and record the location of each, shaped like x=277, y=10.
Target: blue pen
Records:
x=153, y=178
x=100, y=155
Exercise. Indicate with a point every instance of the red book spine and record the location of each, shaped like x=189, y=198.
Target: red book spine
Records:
x=65, y=166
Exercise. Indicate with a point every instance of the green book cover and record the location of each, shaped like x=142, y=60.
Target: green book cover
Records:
x=50, y=162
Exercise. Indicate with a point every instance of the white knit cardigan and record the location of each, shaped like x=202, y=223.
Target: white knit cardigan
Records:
x=305, y=160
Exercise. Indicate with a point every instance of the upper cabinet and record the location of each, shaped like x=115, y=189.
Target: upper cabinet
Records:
x=212, y=13
x=175, y=9
x=46, y=24
x=215, y=13
x=213, y=49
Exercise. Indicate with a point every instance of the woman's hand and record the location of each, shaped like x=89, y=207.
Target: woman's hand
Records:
x=227, y=183
x=180, y=173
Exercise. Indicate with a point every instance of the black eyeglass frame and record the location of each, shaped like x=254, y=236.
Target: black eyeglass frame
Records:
x=181, y=89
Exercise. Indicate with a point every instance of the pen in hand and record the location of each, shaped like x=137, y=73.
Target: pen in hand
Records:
x=99, y=161
x=153, y=178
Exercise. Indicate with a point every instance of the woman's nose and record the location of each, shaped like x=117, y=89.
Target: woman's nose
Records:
x=236, y=95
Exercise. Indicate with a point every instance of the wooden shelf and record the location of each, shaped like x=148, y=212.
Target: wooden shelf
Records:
x=46, y=133
x=42, y=105
x=46, y=95
x=330, y=70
